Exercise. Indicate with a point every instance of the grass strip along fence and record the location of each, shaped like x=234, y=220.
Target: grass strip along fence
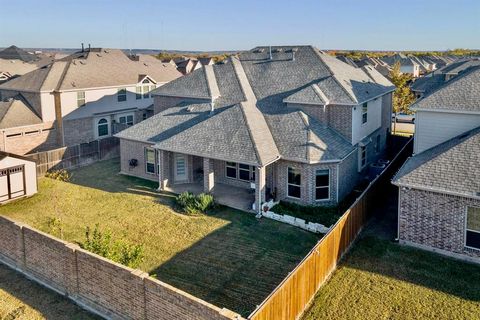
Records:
x=296, y=292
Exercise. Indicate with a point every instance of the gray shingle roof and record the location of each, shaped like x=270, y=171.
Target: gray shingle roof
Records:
x=462, y=93
x=16, y=112
x=428, y=84
x=15, y=53
x=451, y=167
x=252, y=92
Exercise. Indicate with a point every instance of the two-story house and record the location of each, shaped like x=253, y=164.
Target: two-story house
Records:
x=289, y=122
x=439, y=186
x=91, y=94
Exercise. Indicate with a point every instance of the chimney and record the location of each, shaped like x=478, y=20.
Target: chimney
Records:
x=82, y=47
x=270, y=52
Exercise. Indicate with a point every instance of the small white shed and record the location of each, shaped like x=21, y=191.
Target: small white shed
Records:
x=18, y=177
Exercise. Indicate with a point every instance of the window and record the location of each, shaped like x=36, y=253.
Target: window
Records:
x=364, y=113
x=138, y=93
x=102, y=127
x=146, y=92
x=128, y=120
x=294, y=182
x=244, y=172
x=122, y=95
x=149, y=160
x=472, y=237
x=231, y=170
x=322, y=184
x=363, y=156
x=80, y=99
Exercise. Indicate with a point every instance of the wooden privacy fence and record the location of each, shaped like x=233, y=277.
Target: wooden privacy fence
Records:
x=76, y=155
x=290, y=299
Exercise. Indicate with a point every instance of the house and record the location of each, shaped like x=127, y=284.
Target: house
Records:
x=18, y=177
x=206, y=61
x=15, y=62
x=407, y=65
x=439, y=186
x=285, y=123
x=382, y=67
x=91, y=94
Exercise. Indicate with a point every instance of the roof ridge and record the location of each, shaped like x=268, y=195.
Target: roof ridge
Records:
x=334, y=77
x=243, y=80
x=320, y=93
x=212, y=84
x=306, y=122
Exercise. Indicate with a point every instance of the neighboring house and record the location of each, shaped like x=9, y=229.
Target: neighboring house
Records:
x=439, y=187
x=206, y=61
x=186, y=66
x=290, y=123
x=15, y=62
x=407, y=65
x=91, y=94
x=382, y=67
x=18, y=177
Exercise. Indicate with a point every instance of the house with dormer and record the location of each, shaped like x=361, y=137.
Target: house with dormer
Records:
x=284, y=123
x=91, y=94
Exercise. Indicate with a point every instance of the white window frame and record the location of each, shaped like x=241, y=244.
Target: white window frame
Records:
x=147, y=149
x=468, y=230
x=360, y=160
x=364, y=113
x=97, y=125
x=122, y=92
x=81, y=99
x=322, y=187
x=126, y=115
x=296, y=185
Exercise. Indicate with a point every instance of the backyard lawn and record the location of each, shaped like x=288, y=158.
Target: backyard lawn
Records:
x=227, y=257
x=383, y=280
x=21, y=298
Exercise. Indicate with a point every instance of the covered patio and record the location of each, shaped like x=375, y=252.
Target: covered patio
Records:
x=235, y=197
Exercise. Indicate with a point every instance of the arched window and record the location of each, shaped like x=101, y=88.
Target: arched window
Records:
x=102, y=127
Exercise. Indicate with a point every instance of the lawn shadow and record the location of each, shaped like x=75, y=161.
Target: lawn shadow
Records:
x=377, y=252
x=33, y=296
x=238, y=265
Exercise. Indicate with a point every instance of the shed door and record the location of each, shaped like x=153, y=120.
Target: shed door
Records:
x=12, y=183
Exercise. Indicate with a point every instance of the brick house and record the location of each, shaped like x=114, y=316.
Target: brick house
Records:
x=289, y=123
x=439, y=186
x=89, y=95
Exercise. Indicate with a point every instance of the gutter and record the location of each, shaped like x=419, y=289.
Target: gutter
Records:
x=423, y=188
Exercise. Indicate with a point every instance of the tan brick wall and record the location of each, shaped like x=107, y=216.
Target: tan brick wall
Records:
x=434, y=220
x=134, y=150
x=78, y=131
x=102, y=286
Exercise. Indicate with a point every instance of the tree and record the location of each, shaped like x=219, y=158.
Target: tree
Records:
x=403, y=97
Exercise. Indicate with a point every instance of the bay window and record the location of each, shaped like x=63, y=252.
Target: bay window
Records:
x=322, y=184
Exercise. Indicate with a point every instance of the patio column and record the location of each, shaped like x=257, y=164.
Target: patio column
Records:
x=208, y=176
x=162, y=169
x=260, y=188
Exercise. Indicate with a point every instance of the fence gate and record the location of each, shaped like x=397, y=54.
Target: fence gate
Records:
x=12, y=183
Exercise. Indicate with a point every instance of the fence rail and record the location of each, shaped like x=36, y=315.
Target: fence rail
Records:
x=76, y=155
x=291, y=298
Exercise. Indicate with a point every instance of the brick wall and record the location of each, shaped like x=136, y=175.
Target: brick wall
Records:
x=100, y=285
x=434, y=220
x=78, y=131
x=134, y=150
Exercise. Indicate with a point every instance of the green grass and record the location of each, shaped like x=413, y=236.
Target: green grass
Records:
x=21, y=298
x=227, y=257
x=383, y=280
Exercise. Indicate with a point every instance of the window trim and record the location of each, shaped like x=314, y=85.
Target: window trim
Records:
x=84, y=99
x=126, y=115
x=364, y=113
x=328, y=187
x=146, y=160
x=296, y=185
x=230, y=166
x=362, y=166
x=106, y=123
x=121, y=92
x=468, y=230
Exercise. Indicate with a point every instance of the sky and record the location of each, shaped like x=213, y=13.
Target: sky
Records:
x=243, y=24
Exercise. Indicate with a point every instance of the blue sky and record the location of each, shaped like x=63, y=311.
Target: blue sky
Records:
x=235, y=25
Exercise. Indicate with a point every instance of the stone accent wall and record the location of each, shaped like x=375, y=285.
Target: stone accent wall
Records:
x=102, y=286
x=134, y=150
x=78, y=131
x=337, y=117
x=434, y=220
x=307, y=182
x=29, y=139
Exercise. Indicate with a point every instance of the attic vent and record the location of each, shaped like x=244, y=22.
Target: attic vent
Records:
x=259, y=50
x=277, y=50
x=73, y=84
x=83, y=62
x=106, y=51
x=99, y=55
x=145, y=64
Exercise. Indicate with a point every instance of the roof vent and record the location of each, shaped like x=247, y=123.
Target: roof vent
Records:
x=277, y=50
x=73, y=84
x=82, y=62
x=99, y=55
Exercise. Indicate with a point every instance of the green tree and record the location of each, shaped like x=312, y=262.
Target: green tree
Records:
x=403, y=97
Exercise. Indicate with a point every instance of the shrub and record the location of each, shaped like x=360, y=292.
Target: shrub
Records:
x=101, y=243
x=60, y=175
x=192, y=204
x=55, y=227
x=324, y=215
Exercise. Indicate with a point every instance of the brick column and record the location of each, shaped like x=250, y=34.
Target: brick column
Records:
x=259, y=187
x=162, y=158
x=208, y=175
